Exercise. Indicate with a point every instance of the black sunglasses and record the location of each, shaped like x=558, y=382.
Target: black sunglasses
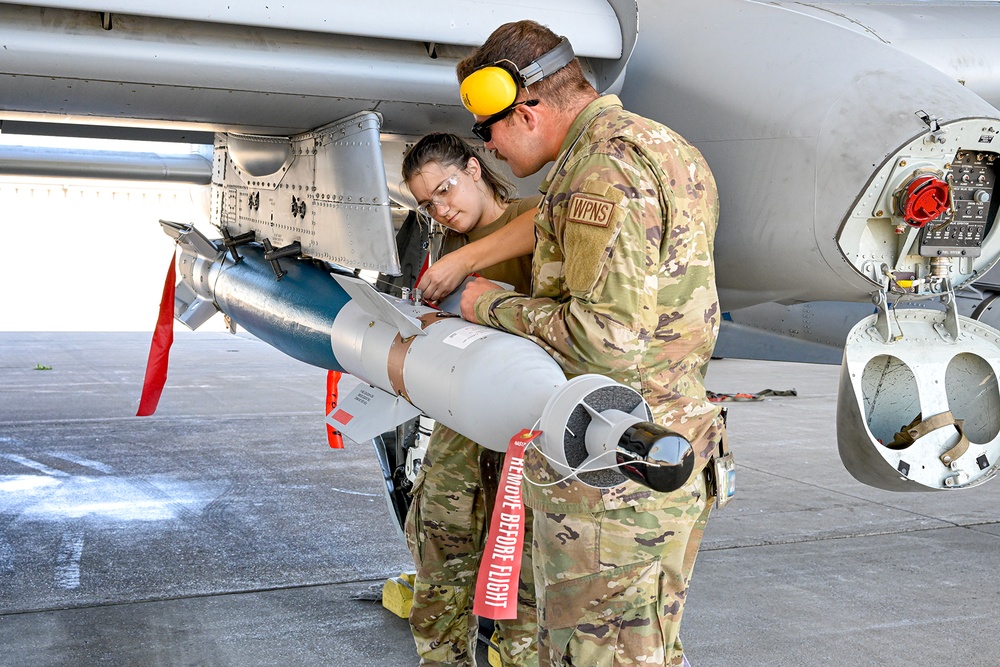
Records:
x=483, y=131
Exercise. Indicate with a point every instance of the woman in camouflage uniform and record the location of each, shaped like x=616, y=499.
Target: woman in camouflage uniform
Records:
x=447, y=522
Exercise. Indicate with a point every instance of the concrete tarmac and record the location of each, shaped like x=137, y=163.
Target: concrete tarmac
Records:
x=224, y=530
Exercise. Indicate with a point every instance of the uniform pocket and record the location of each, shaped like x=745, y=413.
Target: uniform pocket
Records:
x=602, y=596
x=597, y=619
x=414, y=541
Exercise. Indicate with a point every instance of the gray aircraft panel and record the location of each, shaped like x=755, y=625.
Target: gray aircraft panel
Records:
x=590, y=24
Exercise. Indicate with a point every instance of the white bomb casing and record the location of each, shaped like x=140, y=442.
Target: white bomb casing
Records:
x=481, y=382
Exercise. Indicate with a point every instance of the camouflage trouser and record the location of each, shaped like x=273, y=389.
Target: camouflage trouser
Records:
x=445, y=530
x=611, y=585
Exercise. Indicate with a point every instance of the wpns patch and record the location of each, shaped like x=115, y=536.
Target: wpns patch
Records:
x=590, y=210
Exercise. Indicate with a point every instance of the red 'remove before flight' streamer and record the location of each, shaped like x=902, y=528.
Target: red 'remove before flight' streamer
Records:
x=499, y=571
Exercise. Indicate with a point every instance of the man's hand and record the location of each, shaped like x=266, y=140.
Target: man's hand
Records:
x=471, y=294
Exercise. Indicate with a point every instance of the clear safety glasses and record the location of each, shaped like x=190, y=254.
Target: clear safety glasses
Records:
x=440, y=192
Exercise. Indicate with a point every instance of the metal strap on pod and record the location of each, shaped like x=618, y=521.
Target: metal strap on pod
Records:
x=920, y=427
x=400, y=346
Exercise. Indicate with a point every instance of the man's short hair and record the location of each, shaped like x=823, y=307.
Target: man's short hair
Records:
x=521, y=42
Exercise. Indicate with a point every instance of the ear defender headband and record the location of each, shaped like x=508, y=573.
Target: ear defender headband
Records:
x=492, y=88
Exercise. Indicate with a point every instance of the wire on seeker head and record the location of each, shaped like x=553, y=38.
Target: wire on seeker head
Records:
x=564, y=478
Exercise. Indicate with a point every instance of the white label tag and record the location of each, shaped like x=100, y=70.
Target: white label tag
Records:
x=466, y=336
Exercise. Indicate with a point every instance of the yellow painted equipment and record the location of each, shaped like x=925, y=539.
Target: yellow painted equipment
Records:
x=397, y=594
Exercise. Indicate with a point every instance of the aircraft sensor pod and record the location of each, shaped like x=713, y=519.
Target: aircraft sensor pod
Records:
x=492, y=88
x=601, y=433
x=949, y=382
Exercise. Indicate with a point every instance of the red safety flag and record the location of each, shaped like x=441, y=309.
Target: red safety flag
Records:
x=500, y=568
x=159, y=349
x=332, y=395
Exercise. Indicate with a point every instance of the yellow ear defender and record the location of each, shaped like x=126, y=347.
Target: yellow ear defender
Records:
x=492, y=88
x=488, y=90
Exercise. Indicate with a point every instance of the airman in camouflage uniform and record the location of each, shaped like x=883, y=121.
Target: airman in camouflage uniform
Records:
x=622, y=285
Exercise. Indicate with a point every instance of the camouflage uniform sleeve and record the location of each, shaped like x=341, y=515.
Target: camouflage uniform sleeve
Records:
x=594, y=303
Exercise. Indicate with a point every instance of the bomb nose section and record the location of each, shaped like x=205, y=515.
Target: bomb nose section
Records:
x=655, y=456
x=920, y=412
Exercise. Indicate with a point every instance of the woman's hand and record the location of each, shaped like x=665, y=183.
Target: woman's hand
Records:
x=515, y=239
x=444, y=276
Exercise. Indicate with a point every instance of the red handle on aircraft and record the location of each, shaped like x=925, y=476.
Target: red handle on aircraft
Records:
x=925, y=200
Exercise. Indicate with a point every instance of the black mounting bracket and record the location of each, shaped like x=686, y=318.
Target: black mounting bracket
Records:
x=273, y=254
x=233, y=242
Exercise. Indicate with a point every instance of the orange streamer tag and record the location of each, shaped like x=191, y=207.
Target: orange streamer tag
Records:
x=500, y=569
